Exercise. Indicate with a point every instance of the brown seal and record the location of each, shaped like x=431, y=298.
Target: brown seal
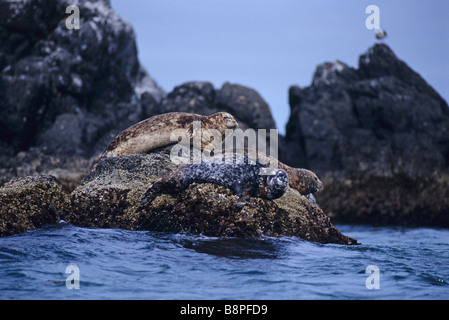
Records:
x=157, y=131
x=302, y=180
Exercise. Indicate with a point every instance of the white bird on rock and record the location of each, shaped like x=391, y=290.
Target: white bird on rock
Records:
x=380, y=34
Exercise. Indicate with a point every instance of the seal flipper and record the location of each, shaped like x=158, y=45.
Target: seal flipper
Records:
x=240, y=191
x=237, y=188
x=312, y=199
x=158, y=187
x=148, y=196
x=170, y=183
x=243, y=201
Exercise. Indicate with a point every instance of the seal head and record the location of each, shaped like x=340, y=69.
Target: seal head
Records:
x=277, y=184
x=302, y=180
x=305, y=181
x=226, y=118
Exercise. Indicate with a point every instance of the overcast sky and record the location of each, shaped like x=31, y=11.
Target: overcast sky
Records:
x=269, y=45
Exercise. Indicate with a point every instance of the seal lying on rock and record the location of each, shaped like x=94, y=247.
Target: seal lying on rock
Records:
x=156, y=132
x=239, y=174
x=303, y=180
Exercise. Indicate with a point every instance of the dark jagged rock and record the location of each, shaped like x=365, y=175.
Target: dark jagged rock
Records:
x=194, y=97
x=380, y=122
x=65, y=94
x=247, y=105
x=30, y=202
x=244, y=103
x=62, y=91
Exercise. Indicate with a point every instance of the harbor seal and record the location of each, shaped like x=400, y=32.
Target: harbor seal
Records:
x=156, y=132
x=239, y=175
x=302, y=180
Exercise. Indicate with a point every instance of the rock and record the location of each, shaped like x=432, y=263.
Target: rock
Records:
x=310, y=221
x=389, y=201
x=244, y=103
x=194, y=97
x=69, y=171
x=368, y=129
x=63, y=91
x=248, y=107
x=213, y=210
x=110, y=197
x=30, y=202
x=65, y=94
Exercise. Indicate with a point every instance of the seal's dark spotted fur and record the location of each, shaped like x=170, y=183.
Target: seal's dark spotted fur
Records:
x=240, y=174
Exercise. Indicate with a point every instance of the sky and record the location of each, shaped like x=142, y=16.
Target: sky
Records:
x=270, y=45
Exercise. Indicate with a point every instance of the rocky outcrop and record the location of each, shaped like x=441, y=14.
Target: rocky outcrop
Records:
x=245, y=104
x=66, y=92
x=378, y=136
x=110, y=198
x=214, y=210
x=68, y=171
x=30, y=202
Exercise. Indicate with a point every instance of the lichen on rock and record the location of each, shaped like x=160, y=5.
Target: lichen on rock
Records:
x=30, y=202
x=110, y=197
x=214, y=210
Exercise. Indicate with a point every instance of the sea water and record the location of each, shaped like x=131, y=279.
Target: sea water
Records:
x=62, y=261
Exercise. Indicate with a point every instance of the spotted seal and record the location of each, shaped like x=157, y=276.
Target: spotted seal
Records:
x=156, y=132
x=303, y=180
x=239, y=174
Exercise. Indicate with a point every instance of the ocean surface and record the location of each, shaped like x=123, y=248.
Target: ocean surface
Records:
x=391, y=263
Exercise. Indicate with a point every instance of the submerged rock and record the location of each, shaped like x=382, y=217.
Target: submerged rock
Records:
x=30, y=202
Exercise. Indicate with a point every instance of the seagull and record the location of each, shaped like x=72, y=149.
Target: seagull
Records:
x=381, y=34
